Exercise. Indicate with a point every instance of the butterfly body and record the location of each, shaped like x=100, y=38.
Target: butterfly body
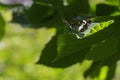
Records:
x=78, y=27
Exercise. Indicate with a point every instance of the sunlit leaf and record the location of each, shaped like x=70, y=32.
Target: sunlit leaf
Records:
x=100, y=26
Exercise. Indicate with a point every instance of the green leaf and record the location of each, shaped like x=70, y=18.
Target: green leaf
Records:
x=2, y=27
x=106, y=18
x=9, y=6
x=100, y=26
x=103, y=49
x=96, y=70
x=56, y=4
x=66, y=49
x=50, y=52
x=20, y=18
x=38, y=13
x=111, y=72
x=76, y=8
x=69, y=45
x=115, y=2
x=105, y=9
x=118, y=53
x=71, y=59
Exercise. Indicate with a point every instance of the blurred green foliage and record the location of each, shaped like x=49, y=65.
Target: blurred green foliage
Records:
x=36, y=34
x=2, y=27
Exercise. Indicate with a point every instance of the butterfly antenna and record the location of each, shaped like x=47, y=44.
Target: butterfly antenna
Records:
x=67, y=23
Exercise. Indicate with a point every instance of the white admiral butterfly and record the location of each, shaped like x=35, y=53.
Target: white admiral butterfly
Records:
x=80, y=27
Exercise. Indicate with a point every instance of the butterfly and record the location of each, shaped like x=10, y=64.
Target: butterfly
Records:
x=79, y=26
